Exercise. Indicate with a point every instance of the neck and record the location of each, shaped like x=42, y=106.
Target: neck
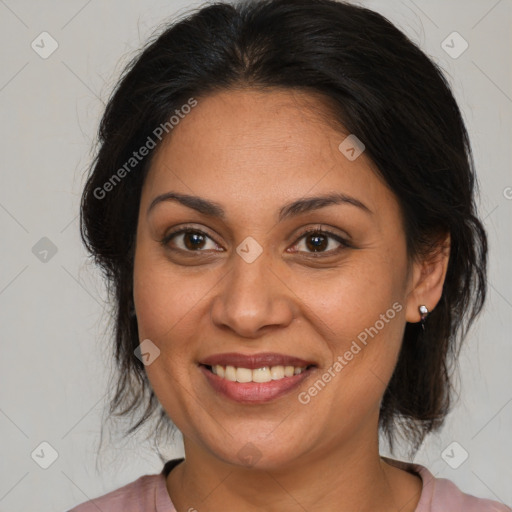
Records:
x=340, y=480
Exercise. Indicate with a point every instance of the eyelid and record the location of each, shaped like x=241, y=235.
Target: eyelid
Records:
x=324, y=228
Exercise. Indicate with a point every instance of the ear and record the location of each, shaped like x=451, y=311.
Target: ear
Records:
x=428, y=275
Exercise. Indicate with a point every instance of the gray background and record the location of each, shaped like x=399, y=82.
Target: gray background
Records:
x=56, y=360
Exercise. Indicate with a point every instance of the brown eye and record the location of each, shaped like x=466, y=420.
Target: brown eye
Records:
x=317, y=242
x=189, y=240
x=193, y=240
x=320, y=241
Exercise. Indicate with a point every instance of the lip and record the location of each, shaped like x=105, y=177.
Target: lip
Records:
x=254, y=392
x=253, y=361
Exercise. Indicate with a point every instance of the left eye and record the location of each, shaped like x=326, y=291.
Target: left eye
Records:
x=318, y=241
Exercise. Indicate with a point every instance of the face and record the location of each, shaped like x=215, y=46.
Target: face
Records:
x=247, y=286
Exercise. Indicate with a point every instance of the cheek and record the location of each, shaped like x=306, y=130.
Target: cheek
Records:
x=359, y=312
x=164, y=295
x=167, y=304
x=350, y=298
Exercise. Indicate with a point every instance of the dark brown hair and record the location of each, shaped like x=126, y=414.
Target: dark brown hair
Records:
x=382, y=88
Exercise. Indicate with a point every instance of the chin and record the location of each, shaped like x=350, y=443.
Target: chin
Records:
x=257, y=454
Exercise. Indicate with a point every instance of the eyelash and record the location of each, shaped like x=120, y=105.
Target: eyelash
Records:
x=322, y=231
x=316, y=230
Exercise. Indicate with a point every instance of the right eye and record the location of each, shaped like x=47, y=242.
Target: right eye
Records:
x=188, y=240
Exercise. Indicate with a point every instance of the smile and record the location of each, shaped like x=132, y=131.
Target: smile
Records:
x=263, y=374
x=255, y=378
x=250, y=390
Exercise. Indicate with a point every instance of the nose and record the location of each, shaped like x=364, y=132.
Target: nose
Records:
x=252, y=299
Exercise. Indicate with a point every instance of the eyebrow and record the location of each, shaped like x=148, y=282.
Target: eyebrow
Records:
x=212, y=209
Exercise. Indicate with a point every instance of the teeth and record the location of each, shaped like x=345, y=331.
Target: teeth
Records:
x=243, y=375
x=264, y=374
x=288, y=371
x=277, y=372
x=230, y=373
x=261, y=375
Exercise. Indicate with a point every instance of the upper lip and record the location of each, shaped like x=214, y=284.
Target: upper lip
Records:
x=253, y=361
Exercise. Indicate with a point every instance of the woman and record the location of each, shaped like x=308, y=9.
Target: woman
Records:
x=283, y=204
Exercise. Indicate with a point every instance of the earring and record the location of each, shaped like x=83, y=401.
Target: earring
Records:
x=424, y=313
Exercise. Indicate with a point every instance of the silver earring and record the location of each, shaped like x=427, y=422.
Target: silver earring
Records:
x=424, y=313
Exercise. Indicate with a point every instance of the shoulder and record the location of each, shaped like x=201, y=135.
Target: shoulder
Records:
x=141, y=494
x=447, y=496
x=441, y=494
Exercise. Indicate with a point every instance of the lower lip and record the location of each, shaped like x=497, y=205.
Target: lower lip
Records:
x=254, y=392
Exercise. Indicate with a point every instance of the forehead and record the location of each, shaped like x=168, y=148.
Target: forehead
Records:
x=249, y=121
x=256, y=147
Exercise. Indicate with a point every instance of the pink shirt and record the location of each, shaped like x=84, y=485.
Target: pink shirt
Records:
x=149, y=494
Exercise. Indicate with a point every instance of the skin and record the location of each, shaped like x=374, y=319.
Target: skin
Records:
x=253, y=151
